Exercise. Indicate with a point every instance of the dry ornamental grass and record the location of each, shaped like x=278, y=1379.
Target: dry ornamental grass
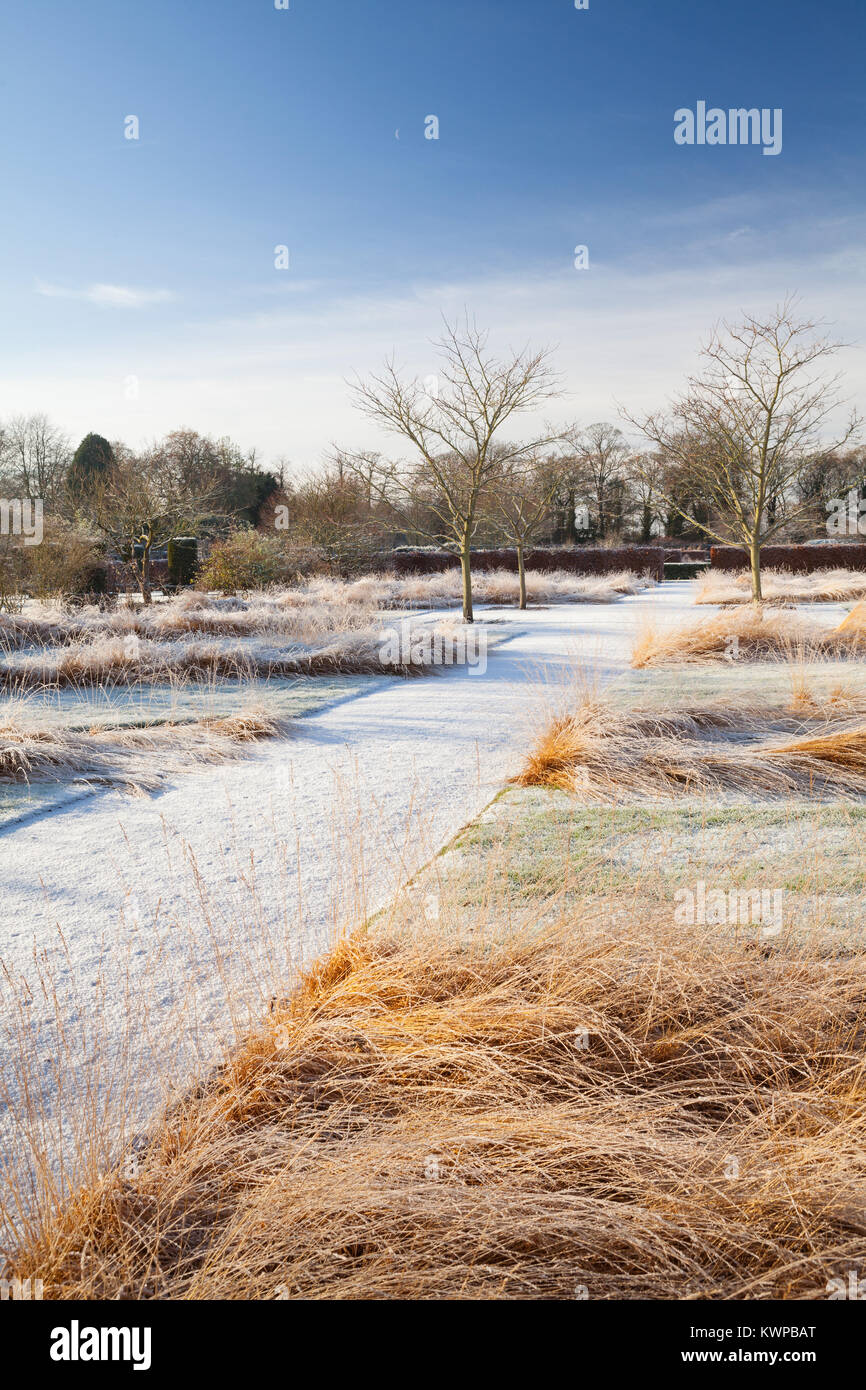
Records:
x=552, y=1111
x=326, y=627
x=659, y=1116
x=781, y=586
x=309, y=613
x=488, y=586
x=727, y=749
x=855, y=622
x=749, y=634
x=137, y=760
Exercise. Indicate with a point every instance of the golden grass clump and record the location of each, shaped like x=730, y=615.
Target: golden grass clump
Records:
x=659, y=1115
x=781, y=586
x=746, y=634
x=855, y=621
x=843, y=697
x=247, y=726
x=729, y=749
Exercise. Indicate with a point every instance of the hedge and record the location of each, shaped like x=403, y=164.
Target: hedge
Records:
x=802, y=559
x=182, y=559
x=639, y=559
x=684, y=569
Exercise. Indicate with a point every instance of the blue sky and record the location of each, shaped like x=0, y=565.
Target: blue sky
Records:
x=137, y=280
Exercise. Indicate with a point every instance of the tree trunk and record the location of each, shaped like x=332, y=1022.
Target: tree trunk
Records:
x=465, y=566
x=646, y=525
x=755, y=562
x=145, y=576
x=521, y=570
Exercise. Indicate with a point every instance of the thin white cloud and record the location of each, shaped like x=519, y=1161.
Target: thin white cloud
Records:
x=276, y=379
x=117, y=296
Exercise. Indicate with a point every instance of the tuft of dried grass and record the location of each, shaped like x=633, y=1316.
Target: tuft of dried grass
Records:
x=734, y=750
x=488, y=586
x=750, y=634
x=137, y=760
x=245, y=727
x=841, y=698
x=503, y=1119
x=115, y=661
x=781, y=586
x=855, y=621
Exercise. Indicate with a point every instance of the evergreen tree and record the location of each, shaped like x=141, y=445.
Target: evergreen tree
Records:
x=90, y=465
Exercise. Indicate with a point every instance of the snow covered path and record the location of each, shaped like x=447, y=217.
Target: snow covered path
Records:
x=160, y=921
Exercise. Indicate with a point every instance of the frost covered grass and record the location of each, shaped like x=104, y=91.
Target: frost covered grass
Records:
x=781, y=586
x=488, y=586
x=310, y=614
x=523, y=1079
x=137, y=760
x=112, y=661
x=549, y=1111
x=750, y=634
x=815, y=750
x=327, y=628
x=187, y=616
x=324, y=650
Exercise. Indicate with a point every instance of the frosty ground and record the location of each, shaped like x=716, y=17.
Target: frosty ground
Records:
x=143, y=934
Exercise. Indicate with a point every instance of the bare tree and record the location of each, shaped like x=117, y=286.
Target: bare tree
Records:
x=599, y=452
x=13, y=561
x=34, y=456
x=332, y=512
x=145, y=501
x=829, y=478
x=454, y=426
x=520, y=504
x=645, y=476
x=748, y=427
x=217, y=467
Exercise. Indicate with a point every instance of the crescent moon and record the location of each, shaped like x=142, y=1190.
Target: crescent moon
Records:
x=397, y=133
